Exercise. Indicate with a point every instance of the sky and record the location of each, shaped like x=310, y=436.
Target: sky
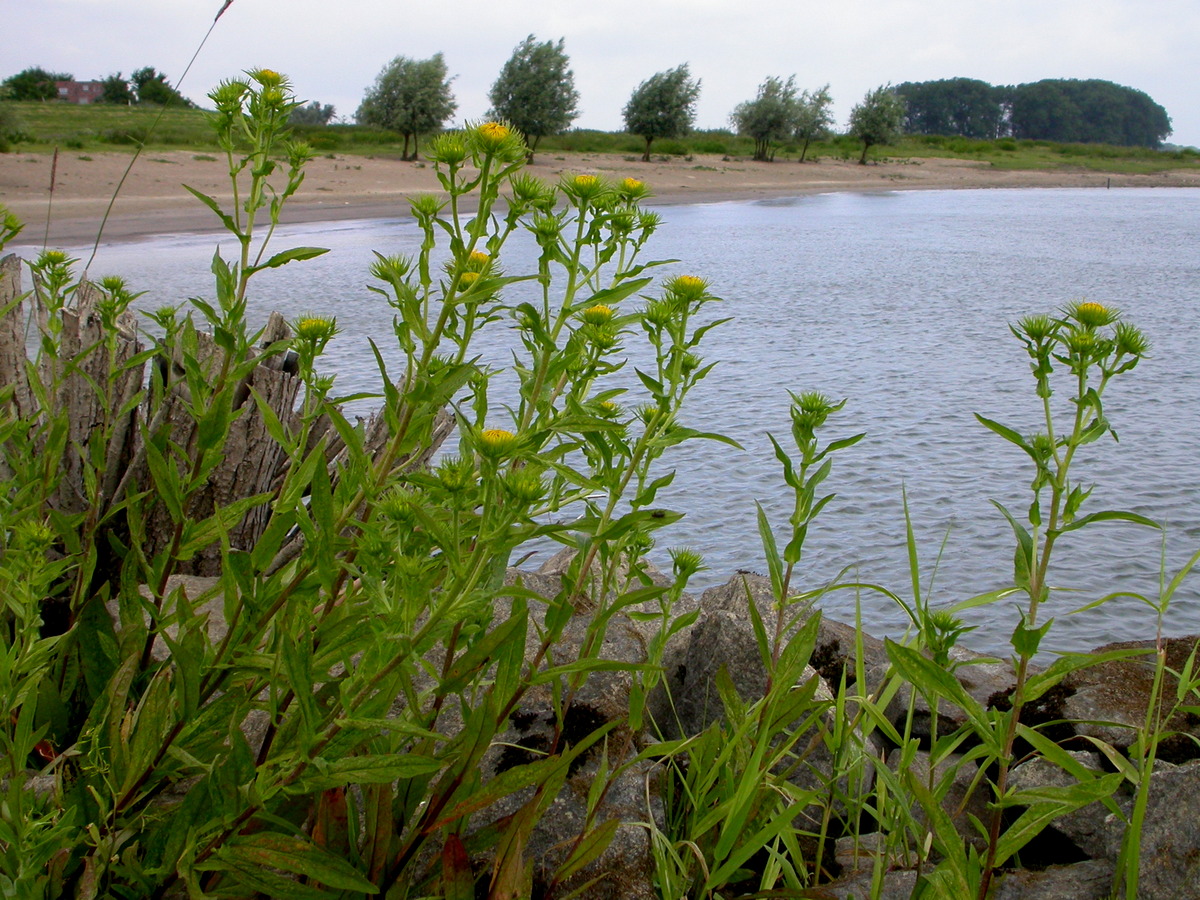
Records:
x=333, y=50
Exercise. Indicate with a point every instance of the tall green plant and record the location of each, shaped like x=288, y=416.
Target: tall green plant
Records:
x=332, y=737
x=1084, y=348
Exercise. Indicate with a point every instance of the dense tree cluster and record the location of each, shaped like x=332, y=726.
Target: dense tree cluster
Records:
x=34, y=84
x=146, y=85
x=1065, y=110
x=313, y=114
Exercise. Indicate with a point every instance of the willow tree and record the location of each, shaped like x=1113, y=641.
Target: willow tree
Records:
x=877, y=119
x=663, y=106
x=410, y=96
x=769, y=117
x=535, y=91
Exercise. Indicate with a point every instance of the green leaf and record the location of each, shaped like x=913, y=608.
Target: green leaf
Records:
x=771, y=549
x=1023, y=555
x=287, y=256
x=1027, y=640
x=1007, y=433
x=366, y=770
x=1110, y=516
x=295, y=855
x=934, y=681
x=215, y=207
x=1047, y=804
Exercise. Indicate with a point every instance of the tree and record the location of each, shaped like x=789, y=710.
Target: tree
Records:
x=313, y=114
x=814, y=118
x=152, y=87
x=535, y=91
x=663, y=106
x=877, y=120
x=35, y=84
x=771, y=116
x=1091, y=111
x=410, y=96
x=116, y=90
x=965, y=107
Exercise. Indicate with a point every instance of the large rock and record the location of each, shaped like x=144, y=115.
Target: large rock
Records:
x=625, y=870
x=1108, y=701
x=1087, y=880
x=1089, y=828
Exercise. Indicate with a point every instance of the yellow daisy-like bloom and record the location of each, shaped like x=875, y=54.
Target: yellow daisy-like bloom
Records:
x=631, y=189
x=478, y=259
x=496, y=441
x=608, y=409
x=598, y=315
x=688, y=287
x=466, y=279
x=494, y=131
x=315, y=328
x=1094, y=314
x=585, y=187
x=497, y=139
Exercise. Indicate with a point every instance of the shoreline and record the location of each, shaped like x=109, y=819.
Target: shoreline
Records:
x=154, y=202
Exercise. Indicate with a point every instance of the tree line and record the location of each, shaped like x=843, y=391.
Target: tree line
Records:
x=535, y=92
x=1064, y=110
x=146, y=85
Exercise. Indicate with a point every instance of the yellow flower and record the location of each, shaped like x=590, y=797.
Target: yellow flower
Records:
x=315, y=329
x=478, y=259
x=1093, y=315
x=598, y=315
x=631, y=189
x=466, y=279
x=687, y=287
x=498, y=140
x=496, y=442
x=585, y=187
x=493, y=131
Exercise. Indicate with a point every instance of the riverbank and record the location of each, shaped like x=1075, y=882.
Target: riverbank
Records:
x=153, y=200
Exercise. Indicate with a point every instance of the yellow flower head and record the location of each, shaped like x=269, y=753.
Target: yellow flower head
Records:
x=608, y=409
x=585, y=187
x=631, y=189
x=496, y=139
x=598, y=315
x=1093, y=315
x=496, y=442
x=315, y=329
x=494, y=131
x=267, y=77
x=466, y=279
x=687, y=287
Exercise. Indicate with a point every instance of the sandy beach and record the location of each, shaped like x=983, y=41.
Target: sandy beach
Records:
x=154, y=201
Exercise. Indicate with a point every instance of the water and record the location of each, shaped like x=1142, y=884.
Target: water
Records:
x=899, y=302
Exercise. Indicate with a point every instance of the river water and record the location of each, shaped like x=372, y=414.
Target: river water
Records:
x=899, y=302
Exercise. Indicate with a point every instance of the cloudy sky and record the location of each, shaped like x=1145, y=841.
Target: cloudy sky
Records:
x=333, y=50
